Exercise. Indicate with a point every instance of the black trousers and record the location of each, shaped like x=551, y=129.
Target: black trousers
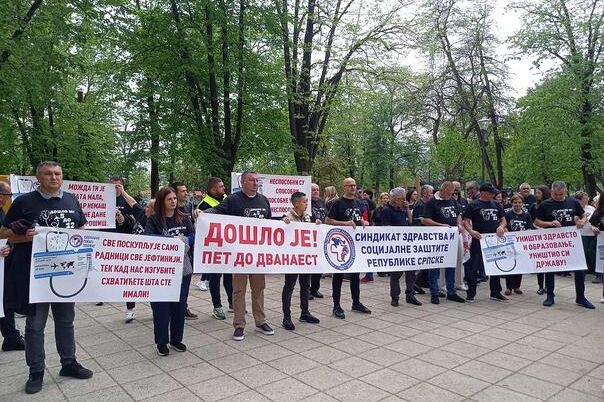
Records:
x=130, y=305
x=540, y=279
x=474, y=266
x=315, y=282
x=395, y=285
x=288, y=290
x=169, y=317
x=227, y=282
x=513, y=281
x=422, y=279
x=579, y=284
x=7, y=326
x=355, y=288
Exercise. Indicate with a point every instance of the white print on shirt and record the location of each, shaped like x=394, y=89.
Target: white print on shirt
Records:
x=517, y=225
x=57, y=218
x=449, y=212
x=175, y=231
x=353, y=214
x=489, y=214
x=563, y=215
x=254, y=213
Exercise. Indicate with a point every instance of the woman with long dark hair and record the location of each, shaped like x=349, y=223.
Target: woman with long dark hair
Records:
x=542, y=193
x=169, y=317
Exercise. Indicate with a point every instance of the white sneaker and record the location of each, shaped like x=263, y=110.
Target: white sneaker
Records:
x=602, y=300
x=130, y=314
x=462, y=287
x=202, y=285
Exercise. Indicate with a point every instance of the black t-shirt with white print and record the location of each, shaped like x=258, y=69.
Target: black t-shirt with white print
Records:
x=561, y=211
x=442, y=211
x=485, y=215
x=172, y=227
x=517, y=222
x=346, y=209
x=239, y=204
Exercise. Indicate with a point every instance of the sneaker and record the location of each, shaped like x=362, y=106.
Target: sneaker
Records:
x=99, y=304
x=265, y=329
x=75, y=370
x=311, y=297
x=602, y=300
x=518, y=291
x=549, y=301
x=442, y=294
x=339, y=312
x=317, y=294
x=462, y=287
x=434, y=299
x=130, y=314
x=361, y=308
x=203, y=285
x=419, y=290
x=456, y=298
x=411, y=299
x=585, y=303
x=394, y=302
x=13, y=344
x=597, y=279
x=309, y=318
x=498, y=297
x=218, y=313
x=189, y=315
x=469, y=299
x=163, y=350
x=508, y=292
x=34, y=383
x=239, y=334
x=288, y=324
x=179, y=346
x=366, y=279
x=540, y=291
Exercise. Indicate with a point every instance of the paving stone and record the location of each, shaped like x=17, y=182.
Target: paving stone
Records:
x=357, y=391
x=428, y=393
x=288, y=389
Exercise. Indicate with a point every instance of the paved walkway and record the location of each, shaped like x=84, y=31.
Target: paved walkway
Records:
x=486, y=351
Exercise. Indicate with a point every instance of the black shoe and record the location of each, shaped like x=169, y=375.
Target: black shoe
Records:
x=189, y=315
x=163, y=350
x=361, y=308
x=309, y=318
x=239, y=334
x=288, y=324
x=412, y=300
x=381, y=274
x=311, y=297
x=75, y=370
x=339, y=313
x=498, y=297
x=597, y=279
x=470, y=299
x=317, y=294
x=434, y=299
x=34, y=383
x=99, y=304
x=540, y=291
x=265, y=329
x=419, y=290
x=456, y=298
x=441, y=294
x=13, y=344
x=394, y=303
x=179, y=346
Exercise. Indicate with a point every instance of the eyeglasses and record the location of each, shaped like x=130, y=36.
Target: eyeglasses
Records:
x=350, y=185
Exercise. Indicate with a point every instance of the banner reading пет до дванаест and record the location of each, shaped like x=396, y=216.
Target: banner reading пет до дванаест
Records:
x=241, y=245
x=533, y=251
x=69, y=265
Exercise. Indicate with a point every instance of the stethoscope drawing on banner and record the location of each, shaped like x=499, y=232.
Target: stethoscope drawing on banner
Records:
x=57, y=261
x=501, y=251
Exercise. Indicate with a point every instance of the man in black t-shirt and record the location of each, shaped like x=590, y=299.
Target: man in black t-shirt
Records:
x=347, y=211
x=47, y=206
x=318, y=212
x=124, y=216
x=426, y=192
x=562, y=211
x=483, y=216
x=443, y=210
x=248, y=203
x=529, y=199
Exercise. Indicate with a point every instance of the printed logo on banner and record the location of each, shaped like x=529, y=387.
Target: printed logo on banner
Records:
x=501, y=251
x=339, y=249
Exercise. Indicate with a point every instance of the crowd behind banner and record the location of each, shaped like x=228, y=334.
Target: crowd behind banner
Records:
x=443, y=243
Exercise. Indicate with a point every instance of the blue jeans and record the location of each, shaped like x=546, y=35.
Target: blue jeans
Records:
x=433, y=276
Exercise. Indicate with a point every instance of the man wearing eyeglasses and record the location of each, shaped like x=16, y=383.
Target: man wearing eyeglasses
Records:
x=529, y=199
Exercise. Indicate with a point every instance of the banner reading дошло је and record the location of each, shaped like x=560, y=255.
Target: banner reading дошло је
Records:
x=242, y=245
x=278, y=190
x=69, y=265
x=96, y=199
x=533, y=251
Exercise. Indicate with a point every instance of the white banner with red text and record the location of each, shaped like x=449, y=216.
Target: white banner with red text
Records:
x=2, y=244
x=600, y=253
x=70, y=265
x=533, y=251
x=278, y=190
x=96, y=199
x=231, y=244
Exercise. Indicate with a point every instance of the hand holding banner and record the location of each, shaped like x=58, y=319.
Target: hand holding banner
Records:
x=240, y=245
x=533, y=251
x=69, y=265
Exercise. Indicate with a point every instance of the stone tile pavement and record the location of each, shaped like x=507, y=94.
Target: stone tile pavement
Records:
x=486, y=351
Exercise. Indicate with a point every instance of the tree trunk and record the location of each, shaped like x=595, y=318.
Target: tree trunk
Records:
x=20, y=29
x=154, y=150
